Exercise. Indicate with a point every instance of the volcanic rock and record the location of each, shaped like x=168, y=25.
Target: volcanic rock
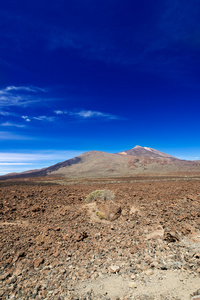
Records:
x=170, y=236
x=38, y=262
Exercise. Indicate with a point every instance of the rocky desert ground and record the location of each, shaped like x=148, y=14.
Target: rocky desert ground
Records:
x=54, y=245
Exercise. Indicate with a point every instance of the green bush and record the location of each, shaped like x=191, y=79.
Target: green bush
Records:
x=101, y=195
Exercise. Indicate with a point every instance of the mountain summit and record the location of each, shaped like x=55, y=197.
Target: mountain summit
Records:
x=146, y=152
x=136, y=161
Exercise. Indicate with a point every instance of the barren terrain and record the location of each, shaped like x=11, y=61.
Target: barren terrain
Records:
x=54, y=246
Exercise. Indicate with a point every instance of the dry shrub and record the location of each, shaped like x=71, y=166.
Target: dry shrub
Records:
x=101, y=216
x=106, y=208
x=100, y=195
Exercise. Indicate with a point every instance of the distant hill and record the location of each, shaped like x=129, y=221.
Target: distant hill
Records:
x=137, y=161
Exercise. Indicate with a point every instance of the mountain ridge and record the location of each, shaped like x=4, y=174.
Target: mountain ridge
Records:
x=138, y=160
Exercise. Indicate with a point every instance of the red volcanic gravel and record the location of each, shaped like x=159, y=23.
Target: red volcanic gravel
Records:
x=51, y=240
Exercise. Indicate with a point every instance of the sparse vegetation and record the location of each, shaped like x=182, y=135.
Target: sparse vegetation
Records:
x=101, y=195
x=100, y=215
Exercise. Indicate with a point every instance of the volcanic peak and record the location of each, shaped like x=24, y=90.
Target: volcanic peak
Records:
x=146, y=148
x=137, y=147
x=146, y=152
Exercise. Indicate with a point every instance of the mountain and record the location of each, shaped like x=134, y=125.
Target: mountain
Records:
x=146, y=152
x=137, y=161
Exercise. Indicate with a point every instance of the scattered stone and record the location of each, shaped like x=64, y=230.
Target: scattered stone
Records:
x=57, y=253
x=38, y=262
x=83, y=235
x=17, y=272
x=36, y=208
x=2, y=292
x=196, y=294
x=148, y=272
x=163, y=267
x=114, y=269
x=154, y=264
x=5, y=276
x=18, y=256
x=170, y=236
x=132, y=285
x=108, y=210
x=177, y=265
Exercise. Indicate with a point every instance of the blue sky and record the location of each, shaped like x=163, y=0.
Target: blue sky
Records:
x=97, y=75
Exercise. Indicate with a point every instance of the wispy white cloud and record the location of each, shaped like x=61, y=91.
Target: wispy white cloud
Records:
x=39, y=118
x=44, y=118
x=22, y=88
x=188, y=157
x=18, y=88
x=19, y=162
x=60, y=112
x=5, y=135
x=88, y=114
x=95, y=114
x=26, y=118
x=5, y=113
x=10, y=124
x=12, y=169
x=14, y=97
x=7, y=100
x=18, y=95
x=14, y=164
x=48, y=155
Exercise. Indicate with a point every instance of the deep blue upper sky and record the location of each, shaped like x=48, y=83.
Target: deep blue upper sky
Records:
x=97, y=75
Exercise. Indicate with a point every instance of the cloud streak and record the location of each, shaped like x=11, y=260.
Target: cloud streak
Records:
x=12, y=88
x=44, y=118
x=20, y=88
x=19, y=161
x=88, y=114
x=5, y=113
x=19, y=95
x=9, y=124
x=14, y=164
x=22, y=157
x=5, y=135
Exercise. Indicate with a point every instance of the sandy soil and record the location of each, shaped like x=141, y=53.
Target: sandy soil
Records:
x=160, y=284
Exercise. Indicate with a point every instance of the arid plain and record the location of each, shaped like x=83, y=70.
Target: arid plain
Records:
x=55, y=246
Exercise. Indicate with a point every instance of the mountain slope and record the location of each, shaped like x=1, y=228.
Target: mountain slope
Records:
x=137, y=161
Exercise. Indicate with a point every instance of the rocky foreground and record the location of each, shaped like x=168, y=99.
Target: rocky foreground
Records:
x=55, y=246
